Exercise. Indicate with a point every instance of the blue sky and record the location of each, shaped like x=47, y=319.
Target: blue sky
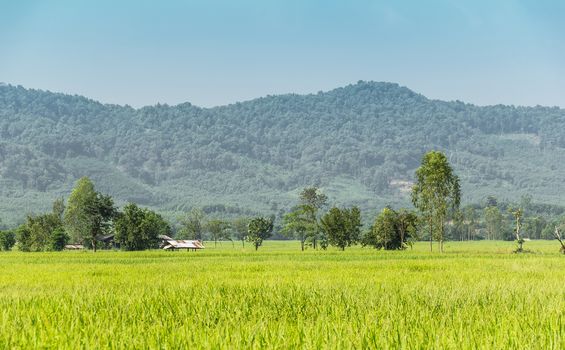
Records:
x=214, y=52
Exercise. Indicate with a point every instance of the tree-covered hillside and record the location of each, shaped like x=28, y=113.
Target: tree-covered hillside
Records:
x=360, y=143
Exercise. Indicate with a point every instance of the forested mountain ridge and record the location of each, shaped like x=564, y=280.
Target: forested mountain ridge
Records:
x=360, y=143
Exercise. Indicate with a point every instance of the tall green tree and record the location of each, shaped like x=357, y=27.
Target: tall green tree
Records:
x=298, y=224
x=40, y=228
x=76, y=218
x=435, y=193
x=342, y=226
x=383, y=234
x=45, y=231
x=88, y=213
x=312, y=200
x=407, y=226
x=139, y=228
x=392, y=230
x=259, y=229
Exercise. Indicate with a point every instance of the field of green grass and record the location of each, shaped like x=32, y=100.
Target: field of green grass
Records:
x=476, y=295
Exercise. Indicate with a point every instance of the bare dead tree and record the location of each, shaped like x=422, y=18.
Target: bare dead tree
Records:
x=518, y=216
x=557, y=235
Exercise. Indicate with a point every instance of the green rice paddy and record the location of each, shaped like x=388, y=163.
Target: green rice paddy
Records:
x=476, y=295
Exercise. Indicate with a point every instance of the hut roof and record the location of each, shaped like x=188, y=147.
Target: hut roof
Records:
x=183, y=244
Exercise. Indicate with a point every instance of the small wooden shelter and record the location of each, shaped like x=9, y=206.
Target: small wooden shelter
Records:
x=168, y=243
x=74, y=247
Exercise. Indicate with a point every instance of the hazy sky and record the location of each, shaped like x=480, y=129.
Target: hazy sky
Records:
x=213, y=52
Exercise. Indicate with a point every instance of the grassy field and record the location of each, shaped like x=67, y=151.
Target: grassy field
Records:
x=476, y=295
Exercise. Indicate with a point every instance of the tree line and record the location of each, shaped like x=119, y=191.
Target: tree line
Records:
x=89, y=215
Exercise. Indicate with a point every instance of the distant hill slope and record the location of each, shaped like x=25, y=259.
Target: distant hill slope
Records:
x=360, y=143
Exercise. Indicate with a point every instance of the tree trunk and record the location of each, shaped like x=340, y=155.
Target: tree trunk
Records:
x=441, y=228
x=431, y=236
x=94, y=244
x=302, y=243
x=518, y=238
x=401, y=238
x=243, y=243
x=256, y=246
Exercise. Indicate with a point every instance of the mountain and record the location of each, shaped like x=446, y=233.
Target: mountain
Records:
x=360, y=143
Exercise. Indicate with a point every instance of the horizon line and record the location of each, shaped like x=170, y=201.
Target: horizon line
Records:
x=158, y=104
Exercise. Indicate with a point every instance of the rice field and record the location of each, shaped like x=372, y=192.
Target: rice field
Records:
x=476, y=295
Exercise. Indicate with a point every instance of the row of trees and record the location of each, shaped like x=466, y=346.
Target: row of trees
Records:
x=393, y=229
x=196, y=225
x=436, y=195
x=494, y=220
x=90, y=216
x=342, y=227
